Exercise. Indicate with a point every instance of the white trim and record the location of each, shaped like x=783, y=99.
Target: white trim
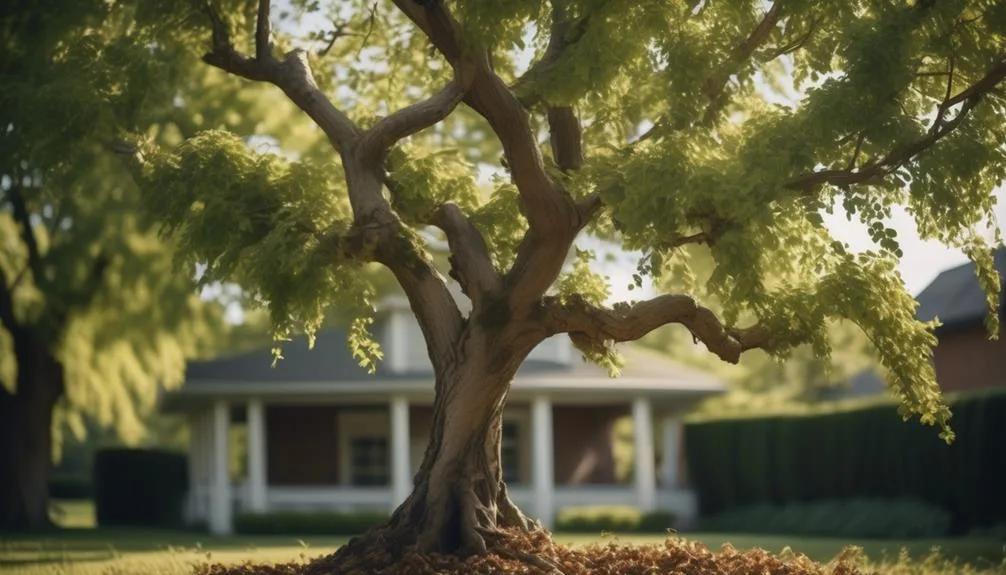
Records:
x=358, y=423
x=542, y=471
x=220, y=503
x=400, y=458
x=646, y=479
x=396, y=342
x=257, y=479
x=671, y=428
x=521, y=418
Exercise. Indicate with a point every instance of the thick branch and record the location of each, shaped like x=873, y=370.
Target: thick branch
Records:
x=471, y=263
x=546, y=206
x=877, y=170
x=7, y=318
x=591, y=325
x=419, y=116
x=263, y=48
x=23, y=218
x=566, y=138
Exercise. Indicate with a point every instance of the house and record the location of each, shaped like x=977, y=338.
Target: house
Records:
x=324, y=434
x=965, y=358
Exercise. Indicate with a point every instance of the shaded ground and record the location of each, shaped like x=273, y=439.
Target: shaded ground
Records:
x=136, y=552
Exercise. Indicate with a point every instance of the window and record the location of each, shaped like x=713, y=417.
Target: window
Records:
x=510, y=452
x=369, y=459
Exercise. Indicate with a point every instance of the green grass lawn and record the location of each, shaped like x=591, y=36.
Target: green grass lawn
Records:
x=88, y=551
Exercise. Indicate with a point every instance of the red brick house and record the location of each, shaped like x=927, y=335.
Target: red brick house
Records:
x=324, y=434
x=965, y=358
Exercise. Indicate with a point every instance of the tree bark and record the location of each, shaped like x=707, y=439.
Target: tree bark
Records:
x=26, y=438
x=459, y=503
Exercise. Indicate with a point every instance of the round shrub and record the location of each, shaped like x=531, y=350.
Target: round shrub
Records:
x=140, y=487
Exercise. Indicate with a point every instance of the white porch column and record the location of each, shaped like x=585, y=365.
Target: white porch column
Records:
x=205, y=462
x=400, y=458
x=672, y=436
x=646, y=476
x=195, y=421
x=257, y=481
x=542, y=472
x=220, y=493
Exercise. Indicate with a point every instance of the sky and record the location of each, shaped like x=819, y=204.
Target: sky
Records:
x=921, y=263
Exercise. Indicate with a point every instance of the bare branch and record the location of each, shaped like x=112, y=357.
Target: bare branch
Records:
x=292, y=75
x=548, y=209
x=419, y=116
x=591, y=325
x=263, y=46
x=877, y=170
x=471, y=264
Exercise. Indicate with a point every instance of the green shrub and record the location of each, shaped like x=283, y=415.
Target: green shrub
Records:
x=859, y=452
x=140, y=487
x=620, y=519
x=306, y=523
x=857, y=518
x=70, y=487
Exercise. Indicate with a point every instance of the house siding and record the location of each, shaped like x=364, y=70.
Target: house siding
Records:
x=967, y=360
x=584, y=440
x=302, y=445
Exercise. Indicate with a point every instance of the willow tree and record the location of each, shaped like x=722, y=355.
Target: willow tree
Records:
x=654, y=124
x=94, y=316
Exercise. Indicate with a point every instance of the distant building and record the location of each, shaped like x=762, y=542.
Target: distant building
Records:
x=966, y=358
x=324, y=434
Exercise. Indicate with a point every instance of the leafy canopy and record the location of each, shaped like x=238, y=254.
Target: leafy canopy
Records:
x=84, y=274
x=727, y=127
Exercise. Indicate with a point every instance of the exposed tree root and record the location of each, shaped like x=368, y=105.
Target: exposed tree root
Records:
x=535, y=553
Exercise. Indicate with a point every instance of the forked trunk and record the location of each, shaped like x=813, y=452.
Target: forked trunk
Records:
x=26, y=440
x=459, y=503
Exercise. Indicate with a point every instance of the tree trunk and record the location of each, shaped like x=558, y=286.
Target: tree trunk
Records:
x=26, y=438
x=459, y=503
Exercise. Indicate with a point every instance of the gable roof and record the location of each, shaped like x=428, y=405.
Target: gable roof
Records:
x=955, y=296
x=330, y=361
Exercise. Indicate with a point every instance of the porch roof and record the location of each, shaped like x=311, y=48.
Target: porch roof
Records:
x=329, y=371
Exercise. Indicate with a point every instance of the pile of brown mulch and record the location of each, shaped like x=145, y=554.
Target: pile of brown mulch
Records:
x=531, y=553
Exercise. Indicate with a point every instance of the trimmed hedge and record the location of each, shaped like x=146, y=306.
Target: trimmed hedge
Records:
x=306, y=523
x=612, y=518
x=857, y=518
x=140, y=487
x=855, y=453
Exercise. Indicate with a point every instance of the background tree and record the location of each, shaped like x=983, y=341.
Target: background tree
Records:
x=899, y=104
x=95, y=313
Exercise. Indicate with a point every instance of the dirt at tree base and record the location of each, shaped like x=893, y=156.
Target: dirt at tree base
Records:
x=531, y=553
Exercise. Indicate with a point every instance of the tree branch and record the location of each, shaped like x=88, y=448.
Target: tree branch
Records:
x=292, y=75
x=419, y=116
x=23, y=217
x=715, y=84
x=877, y=170
x=591, y=326
x=263, y=48
x=470, y=261
x=547, y=207
x=7, y=317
